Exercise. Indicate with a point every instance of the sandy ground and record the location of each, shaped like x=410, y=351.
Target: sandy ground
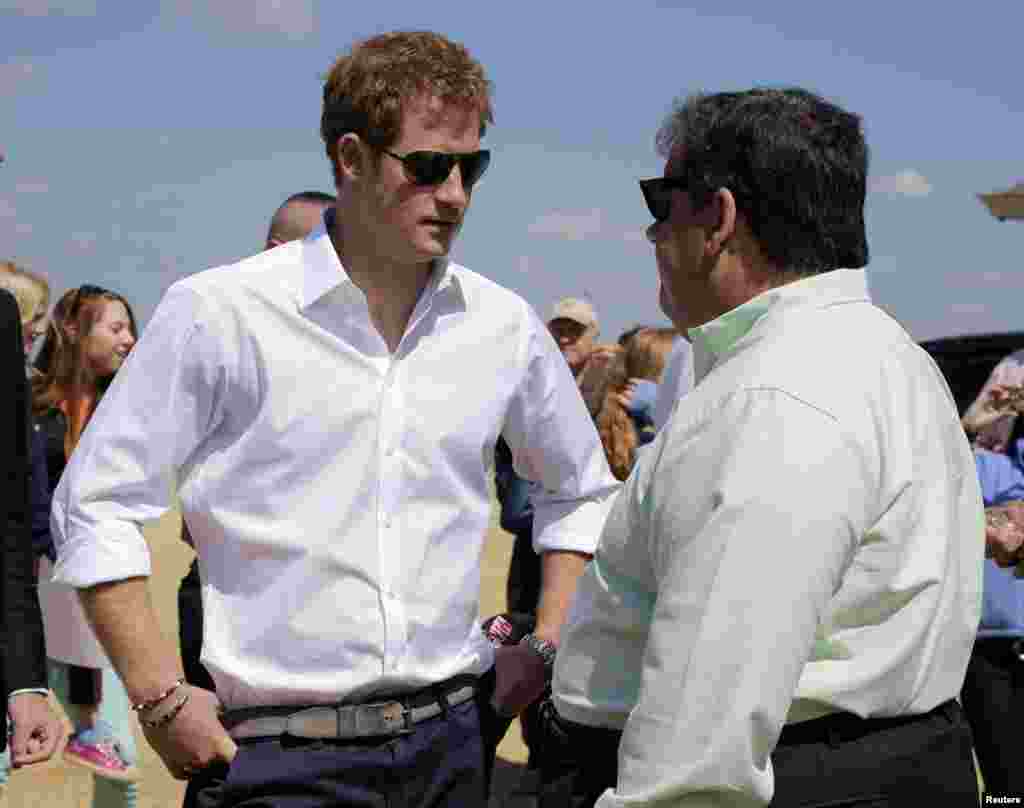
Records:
x=61, y=786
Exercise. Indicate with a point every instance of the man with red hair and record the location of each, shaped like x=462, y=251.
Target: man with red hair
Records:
x=330, y=408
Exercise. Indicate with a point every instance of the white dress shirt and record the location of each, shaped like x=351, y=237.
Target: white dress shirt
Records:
x=337, y=494
x=804, y=536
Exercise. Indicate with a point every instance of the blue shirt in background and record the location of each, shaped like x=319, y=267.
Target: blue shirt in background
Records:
x=1002, y=480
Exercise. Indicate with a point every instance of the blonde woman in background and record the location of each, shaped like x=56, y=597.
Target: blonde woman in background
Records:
x=606, y=383
x=647, y=353
x=32, y=293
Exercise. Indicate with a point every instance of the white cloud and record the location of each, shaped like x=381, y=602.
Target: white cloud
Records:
x=968, y=309
x=293, y=18
x=13, y=74
x=992, y=276
x=83, y=242
x=579, y=225
x=568, y=225
x=9, y=220
x=905, y=183
x=50, y=8
x=31, y=187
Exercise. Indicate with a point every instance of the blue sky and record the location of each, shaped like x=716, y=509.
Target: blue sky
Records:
x=149, y=139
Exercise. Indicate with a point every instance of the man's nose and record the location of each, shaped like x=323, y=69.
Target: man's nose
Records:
x=451, y=191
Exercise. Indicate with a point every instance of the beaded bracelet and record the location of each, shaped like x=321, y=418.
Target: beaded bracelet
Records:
x=167, y=717
x=149, y=704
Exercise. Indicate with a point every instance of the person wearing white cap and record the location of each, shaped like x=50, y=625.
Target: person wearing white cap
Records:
x=573, y=324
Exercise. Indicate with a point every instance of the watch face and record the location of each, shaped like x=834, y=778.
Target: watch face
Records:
x=543, y=648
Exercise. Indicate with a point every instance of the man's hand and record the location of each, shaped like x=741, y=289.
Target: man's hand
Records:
x=1004, y=533
x=1002, y=401
x=37, y=729
x=625, y=397
x=195, y=738
x=520, y=679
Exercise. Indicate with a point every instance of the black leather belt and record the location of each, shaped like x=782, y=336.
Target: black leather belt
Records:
x=845, y=727
x=345, y=721
x=1001, y=650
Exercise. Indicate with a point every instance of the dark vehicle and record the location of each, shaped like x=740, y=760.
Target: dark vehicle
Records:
x=967, y=361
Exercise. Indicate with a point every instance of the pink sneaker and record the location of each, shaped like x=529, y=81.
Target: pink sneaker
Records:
x=98, y=751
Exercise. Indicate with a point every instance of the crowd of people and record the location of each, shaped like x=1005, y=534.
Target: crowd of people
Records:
x=749, y=555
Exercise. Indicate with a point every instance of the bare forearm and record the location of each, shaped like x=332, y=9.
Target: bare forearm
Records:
x=560, y=571
x=123, y=617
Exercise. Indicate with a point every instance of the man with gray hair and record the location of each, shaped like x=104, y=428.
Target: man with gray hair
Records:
x=785, y=595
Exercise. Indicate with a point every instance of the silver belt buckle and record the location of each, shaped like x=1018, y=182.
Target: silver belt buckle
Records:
x=396, y=718
x=349, y=721
x=313, y=722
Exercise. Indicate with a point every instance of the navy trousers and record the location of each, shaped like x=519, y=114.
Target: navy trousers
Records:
x=440, y=764
x=993, y=697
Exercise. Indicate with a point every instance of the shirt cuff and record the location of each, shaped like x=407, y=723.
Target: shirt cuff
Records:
x=42, y=691
x=92, y=558
x=574, y=526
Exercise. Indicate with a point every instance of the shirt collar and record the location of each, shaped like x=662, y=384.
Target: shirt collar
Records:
x=323, y=272
x=714, y=339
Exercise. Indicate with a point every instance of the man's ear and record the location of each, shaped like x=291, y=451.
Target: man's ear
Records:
x=723, y=226
x=351, y=156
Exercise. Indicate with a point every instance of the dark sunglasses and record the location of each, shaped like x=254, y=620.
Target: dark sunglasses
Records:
x=433, y=168
x=658, y=195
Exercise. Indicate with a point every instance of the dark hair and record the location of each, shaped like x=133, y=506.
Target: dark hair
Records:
x=628, y=334
x=312, y=198
x=367, y=88
x=795, y=163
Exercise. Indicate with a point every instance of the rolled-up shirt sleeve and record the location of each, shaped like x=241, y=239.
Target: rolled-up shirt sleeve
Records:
x=157, y=411
x=742, y=586
x=555, y=445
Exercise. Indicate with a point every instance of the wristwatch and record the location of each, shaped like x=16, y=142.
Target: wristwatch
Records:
x=546, y=650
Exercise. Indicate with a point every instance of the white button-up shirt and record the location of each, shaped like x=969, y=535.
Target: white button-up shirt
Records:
x=676, y=381
x=804, y=536
x=337, y=494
